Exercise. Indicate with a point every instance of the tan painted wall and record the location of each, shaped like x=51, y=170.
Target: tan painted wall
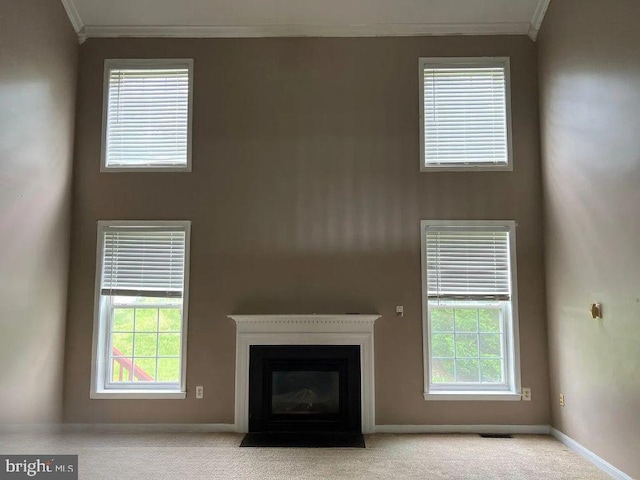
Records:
x=38, y=62
x=590, y=104
x=306, y=197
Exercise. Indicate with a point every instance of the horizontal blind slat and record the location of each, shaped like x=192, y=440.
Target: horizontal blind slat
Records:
x=147, y=116
x=466, y=263
x=465, y=115
x=143, y=261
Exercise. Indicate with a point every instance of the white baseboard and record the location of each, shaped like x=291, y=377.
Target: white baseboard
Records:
x=589, y=455
x=499, y=429
x=231, y=428
x=149, y=427
x=6, y=428
x=120, y=427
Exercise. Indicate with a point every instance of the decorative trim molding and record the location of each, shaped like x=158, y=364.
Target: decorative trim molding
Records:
x=270, y=322
x=538, y=17
x=498, y=429
x=74, y=15
x=305, y=330
x=262, y=31
x=589, y=455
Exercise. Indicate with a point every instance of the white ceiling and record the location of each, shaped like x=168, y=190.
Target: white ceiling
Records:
x=267, y=18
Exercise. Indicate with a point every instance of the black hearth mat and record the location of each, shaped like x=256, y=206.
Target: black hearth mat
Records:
x=304, y=440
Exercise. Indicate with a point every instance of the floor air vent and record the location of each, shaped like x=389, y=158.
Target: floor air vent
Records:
x=496, y=435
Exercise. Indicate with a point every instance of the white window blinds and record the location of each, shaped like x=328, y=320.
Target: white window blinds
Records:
x=147, y=117
x=467, y=263
x=141, y=261
x=465, y=113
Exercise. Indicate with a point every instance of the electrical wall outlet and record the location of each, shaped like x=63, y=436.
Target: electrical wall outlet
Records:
x=399, y=311
x=199, y=391
x=526, y=394
x=562, y=399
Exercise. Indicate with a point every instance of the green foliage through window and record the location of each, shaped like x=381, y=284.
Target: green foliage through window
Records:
x=467, y=344
x=146, y=343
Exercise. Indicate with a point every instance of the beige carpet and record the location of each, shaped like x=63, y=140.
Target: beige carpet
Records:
x=115, y=456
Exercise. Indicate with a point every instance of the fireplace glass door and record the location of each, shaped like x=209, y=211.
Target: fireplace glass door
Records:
x=309, y=388
x=304, y=392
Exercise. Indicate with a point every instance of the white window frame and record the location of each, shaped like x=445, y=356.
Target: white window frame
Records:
x=512, y=391
x=114, y=64
x=101, y=338
x=466, y=62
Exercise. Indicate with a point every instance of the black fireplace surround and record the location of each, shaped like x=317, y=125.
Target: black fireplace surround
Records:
x=305, y=388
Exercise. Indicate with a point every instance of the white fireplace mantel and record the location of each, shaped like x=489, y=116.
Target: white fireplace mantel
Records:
x=349, y=329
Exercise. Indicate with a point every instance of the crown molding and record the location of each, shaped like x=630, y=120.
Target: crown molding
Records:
x=76, y=19
x=262, y=31
x=74, y=15
x=537, y=19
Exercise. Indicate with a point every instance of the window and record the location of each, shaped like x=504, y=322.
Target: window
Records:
x=465, y=114
x=470, y=309
x=147, y=115
x=141, y=310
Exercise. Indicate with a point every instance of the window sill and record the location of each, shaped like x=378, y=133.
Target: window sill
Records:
x=467, y=168
x=473, y=396
x=150, y=169
x=138, y=395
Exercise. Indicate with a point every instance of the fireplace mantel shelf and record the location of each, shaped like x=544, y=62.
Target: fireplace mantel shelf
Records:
x=342, y=318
